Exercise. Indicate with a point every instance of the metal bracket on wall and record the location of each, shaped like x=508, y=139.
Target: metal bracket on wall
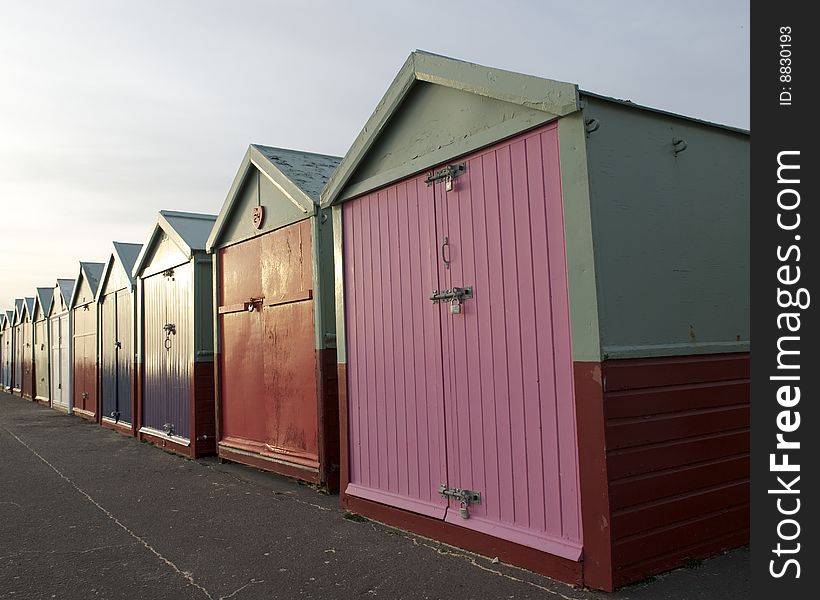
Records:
x=448, y=174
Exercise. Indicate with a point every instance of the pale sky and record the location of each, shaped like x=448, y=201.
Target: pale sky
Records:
x=112, y=110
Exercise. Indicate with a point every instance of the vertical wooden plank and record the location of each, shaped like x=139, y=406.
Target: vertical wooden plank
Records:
x=387, y=257
x=562, y=348
x=369, y=414
x=512, y=332
x=350, y=214
x=398, y=269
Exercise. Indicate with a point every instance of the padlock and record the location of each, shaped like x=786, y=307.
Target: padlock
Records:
x=455, y=307
x=464, y=511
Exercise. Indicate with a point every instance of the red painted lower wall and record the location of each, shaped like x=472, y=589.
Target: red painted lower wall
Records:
x=677, y=459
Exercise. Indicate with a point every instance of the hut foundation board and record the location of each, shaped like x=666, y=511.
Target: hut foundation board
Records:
x=521, y=317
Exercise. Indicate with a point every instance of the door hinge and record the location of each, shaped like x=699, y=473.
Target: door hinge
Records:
x=448, y=174
x=464, y=497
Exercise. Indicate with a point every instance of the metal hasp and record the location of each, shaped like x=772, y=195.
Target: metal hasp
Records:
x=456, y=294
x=170, y=328
x=448, y=173
x=464, y=497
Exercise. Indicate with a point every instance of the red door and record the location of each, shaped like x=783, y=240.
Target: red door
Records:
x=85, y=360
x=268, y=391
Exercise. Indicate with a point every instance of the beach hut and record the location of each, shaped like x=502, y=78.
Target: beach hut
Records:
x=41, y=342
x=6, y=346
x=277, y=402
x=84, y=362
x=543, y=323
x=175, y=335
x=60, y=321
x=117, y=308
x=23, y=352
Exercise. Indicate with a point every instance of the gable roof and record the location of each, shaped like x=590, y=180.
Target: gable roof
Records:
x=18, y=307
x=7, y=318
x=43, y=300
x=126, y=255
x=66, y=287
x=299, y=175
x=91, y=272
x=557, y=98
x=189, y=231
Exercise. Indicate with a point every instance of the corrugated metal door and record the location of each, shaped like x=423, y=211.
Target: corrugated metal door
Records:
x=124, y=345
x=396, y=409
x=168, y=351
x=85, y=359
x=41, y=352
x=506, y=351
x=56, y=364
x=7, y=358
x=108, y=356
x=28, y=360
x=18, y=356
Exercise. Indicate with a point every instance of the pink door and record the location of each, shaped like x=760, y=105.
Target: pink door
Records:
x=492, y=373
x=508, y=391
x=396, y=413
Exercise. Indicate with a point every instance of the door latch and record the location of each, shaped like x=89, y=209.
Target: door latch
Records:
x=455, y=296
x=464, y=497
x=448, y=174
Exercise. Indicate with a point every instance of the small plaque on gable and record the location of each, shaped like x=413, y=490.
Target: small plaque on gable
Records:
x=258, y=216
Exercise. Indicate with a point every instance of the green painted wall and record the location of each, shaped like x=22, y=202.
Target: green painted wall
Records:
x=258, y=189
x=203, y=308
x=434, y=124
x=583, y=300
x=671, y=233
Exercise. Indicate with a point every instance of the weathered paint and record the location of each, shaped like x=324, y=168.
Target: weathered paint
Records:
x=85, y=354
x=84, y=365
x=175, y=341
x=671, y=233
x=273, y=381
x=508, y=382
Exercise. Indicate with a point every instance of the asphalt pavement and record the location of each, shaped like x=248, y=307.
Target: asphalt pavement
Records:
x=86, y=513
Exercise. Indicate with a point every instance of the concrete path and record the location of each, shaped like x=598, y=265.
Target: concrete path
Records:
x=89, y=513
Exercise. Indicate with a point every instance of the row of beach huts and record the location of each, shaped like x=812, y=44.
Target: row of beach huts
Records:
x=514, y=317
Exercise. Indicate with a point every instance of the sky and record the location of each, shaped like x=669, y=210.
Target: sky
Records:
x=113, y=110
